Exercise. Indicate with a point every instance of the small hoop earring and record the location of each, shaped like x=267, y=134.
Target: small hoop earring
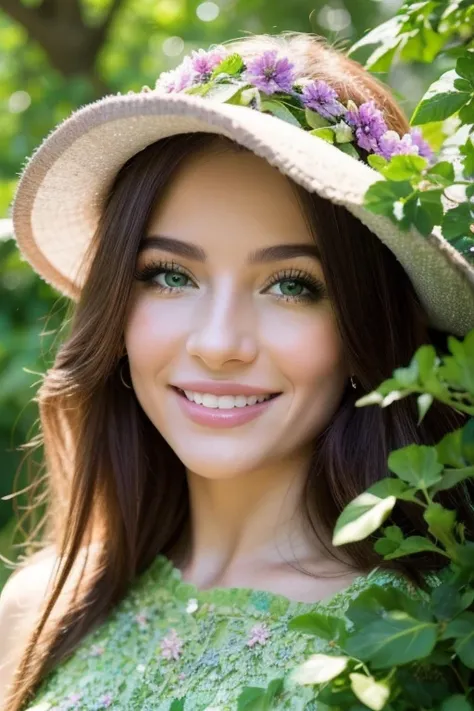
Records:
x=129, y=387
x=354, y=385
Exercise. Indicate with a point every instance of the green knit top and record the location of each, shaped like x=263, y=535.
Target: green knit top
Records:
x=168, y=646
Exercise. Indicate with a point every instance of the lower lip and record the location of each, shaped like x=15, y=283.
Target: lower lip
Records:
x=215, y=417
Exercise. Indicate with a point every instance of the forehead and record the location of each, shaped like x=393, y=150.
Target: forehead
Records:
x=230, y=200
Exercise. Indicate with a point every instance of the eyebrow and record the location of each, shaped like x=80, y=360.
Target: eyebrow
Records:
x=264, y=254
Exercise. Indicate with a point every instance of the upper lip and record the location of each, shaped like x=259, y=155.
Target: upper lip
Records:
x=222, y=387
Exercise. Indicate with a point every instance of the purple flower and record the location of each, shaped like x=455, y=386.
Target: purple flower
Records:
x=204, y=62
x=424, y=147
x=322, y=98
x=171, y=646
x=183, y=77
x=390, y=144
x=369, y=124
x=270, y=73
x=259, y=634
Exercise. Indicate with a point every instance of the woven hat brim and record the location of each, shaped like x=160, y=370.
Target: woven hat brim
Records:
x=60, y=194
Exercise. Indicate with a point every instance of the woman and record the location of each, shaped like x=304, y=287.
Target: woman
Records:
x=234, y=300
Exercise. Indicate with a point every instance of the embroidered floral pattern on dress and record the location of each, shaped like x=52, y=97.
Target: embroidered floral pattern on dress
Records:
x=234, y=638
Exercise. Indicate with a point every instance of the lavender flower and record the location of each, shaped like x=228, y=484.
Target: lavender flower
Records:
x=424, y=147
x=322, y=98
x=270, y=73
x=369, y=123
x=390, y=144
x=183, y=77
x=204, y=62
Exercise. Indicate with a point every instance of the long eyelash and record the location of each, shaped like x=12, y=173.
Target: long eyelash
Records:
x=152, y=269
x=313, y=284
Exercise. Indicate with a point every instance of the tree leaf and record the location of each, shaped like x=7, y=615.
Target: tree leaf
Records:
x=372, y=693
x=413, y=544
x=444, y=170
x=456, y=703
x=416, y=464
x=397, y=639
x=453, y=477
x=404, y=167
x=440, y=101
x=449, y=450
x=456, y=221
x=251, y=699
x=465, y=68
x=319, y=668
x=375, y=602
x=318, y=624
x=392, y=486
x=382, y=196
x=424, y=403
x=361, y=518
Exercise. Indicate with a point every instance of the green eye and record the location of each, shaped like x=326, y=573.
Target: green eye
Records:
x=174, y=279
x=291, y=287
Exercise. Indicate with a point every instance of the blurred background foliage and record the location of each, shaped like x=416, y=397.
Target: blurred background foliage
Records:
x=57, y=55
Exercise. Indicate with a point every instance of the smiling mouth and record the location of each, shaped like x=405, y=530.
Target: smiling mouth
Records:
x=224, y=402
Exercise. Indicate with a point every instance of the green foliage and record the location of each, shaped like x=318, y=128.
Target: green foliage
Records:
x=392, y=650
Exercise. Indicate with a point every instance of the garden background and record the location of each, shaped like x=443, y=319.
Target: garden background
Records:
x=57, y=55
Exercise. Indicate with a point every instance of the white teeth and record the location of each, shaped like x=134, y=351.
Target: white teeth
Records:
x=224, y=402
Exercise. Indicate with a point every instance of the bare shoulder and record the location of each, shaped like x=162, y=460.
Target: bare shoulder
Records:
x=21, y=604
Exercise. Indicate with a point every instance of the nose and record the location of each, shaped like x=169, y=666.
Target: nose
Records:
x=224, y=330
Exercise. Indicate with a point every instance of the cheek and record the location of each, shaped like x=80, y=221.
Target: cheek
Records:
x=151, y=335
x=308, y=348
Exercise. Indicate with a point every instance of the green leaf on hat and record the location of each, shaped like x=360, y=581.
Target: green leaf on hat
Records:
x=327, y=134
x=280, y=111
x=223, y=92
x=377, y=162
x=349, y=149
x=230, y=65
x=315, y=120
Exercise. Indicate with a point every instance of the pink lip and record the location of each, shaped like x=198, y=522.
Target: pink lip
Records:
x=221, y=387
x=214, y=417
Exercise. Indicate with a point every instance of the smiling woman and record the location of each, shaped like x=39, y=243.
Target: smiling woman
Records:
x=199, y=420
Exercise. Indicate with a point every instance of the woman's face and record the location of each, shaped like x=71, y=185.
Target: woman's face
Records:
x=230, y=298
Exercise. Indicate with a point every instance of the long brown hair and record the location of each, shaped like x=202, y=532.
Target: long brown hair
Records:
x=112, y=477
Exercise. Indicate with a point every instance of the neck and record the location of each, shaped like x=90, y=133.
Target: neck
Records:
x=249, y=525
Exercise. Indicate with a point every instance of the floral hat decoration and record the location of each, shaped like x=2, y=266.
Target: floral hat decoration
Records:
x=310, y=104
x=265, y=103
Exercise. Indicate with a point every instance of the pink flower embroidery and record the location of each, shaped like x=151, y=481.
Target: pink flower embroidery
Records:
x=73, y=700
x=142, y=619
x=259, y=634
x=106, y=700
x=97, y=650
x=171, y=646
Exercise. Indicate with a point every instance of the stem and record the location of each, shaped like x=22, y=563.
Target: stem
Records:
x=464, y=687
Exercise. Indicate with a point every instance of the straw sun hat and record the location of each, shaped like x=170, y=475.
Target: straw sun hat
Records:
x=63, y=185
